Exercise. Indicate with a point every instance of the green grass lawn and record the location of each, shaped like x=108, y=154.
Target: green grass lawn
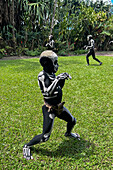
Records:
x=88, y=96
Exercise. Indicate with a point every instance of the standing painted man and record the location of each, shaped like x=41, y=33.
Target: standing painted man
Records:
x=91, y=51
x=51, y=44
x=51, y=88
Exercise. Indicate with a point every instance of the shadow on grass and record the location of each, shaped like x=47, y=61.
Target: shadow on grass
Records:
x=20, y=65
x=68, y=148
x=23, y=65
x=94, y=65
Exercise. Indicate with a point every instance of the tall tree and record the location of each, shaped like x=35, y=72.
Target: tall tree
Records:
x=53, y=17
x=12, y=21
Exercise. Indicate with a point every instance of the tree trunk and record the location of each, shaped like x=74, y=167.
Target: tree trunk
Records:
x=4, y=14
x=32, y=45
x=26, y=37
x=1, y=11
x=53, y=17
x=13, y=23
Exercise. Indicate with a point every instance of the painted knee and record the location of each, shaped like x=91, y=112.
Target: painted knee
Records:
x=45, y=137
x=74, y=121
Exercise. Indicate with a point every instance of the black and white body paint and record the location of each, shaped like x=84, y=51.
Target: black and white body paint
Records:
x=51, y=88
x=51, y=43
x=91, y=51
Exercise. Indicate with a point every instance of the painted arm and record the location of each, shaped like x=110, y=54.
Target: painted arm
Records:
x=91, y=44
x=47, y=89
x=110, y=42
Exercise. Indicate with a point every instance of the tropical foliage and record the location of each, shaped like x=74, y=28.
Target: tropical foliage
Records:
x=26, y=24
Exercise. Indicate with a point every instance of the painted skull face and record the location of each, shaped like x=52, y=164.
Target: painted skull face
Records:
x=89, y=37
x=55, y=63
x=49, y=61
x=50, y=37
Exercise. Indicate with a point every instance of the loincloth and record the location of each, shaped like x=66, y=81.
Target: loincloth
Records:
x=58, y=109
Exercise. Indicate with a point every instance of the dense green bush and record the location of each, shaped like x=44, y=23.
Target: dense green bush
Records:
x=1, y=56
x=62, y=53
x=35, y=52
x=2, y=52
x=67, y=52
x=78, y=52
x=32, y=53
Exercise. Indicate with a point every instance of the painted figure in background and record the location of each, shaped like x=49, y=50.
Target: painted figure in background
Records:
x=51, y=44
x=51, y=88
x=91, y=51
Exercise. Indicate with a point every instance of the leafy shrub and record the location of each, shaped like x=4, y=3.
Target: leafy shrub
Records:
x=2, y=52
x=62, y=52
x=68, y=52
x=32, y=53
x=9, y=50
x=1, y=56
x=78, y=52
x=19, y=51
x=36, y=52
x=61, y=45
x=41, y=48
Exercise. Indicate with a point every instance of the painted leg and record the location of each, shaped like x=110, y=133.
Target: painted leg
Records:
x=48, y=120
x=71, y=121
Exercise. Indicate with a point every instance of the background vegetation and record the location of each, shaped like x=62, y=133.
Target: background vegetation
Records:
x=89, y=98
x=26, y=24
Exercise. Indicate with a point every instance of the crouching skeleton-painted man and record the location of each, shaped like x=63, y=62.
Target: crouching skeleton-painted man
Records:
x=51, y=88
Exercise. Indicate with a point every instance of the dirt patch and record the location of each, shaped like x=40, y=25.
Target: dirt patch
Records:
x=105, y=53
x=99, y=53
